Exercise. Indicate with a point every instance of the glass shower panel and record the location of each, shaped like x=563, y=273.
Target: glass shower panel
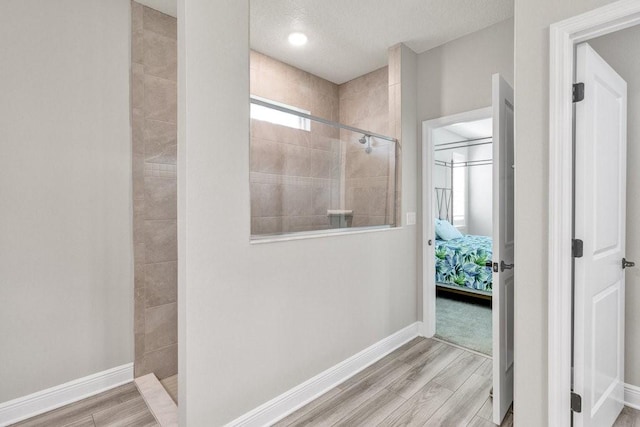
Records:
x=369, y=179
x=317, y=177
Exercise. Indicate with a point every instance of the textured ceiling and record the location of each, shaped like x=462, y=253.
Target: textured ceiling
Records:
x=349, y=38
x=170, y=7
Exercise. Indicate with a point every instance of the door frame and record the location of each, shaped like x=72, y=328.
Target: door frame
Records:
x=564, y=35
x=428, y=228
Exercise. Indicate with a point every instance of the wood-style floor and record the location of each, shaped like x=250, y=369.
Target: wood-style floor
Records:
x=118, y=407
x=423, y=383
x=628, y=418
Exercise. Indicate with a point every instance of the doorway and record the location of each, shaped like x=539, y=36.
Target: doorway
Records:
x=587, y=320
x=457, y=262
x=462, y=171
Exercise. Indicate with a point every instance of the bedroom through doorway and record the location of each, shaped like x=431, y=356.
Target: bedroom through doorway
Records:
x=468, y=234
x=463, y=221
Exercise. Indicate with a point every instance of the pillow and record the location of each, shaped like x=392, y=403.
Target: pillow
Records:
x=446, y=231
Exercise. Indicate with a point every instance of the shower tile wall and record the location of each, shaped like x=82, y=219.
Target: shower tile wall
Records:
x=295, y=174
x=369, y=178
x=395, y=128
x=154, y=118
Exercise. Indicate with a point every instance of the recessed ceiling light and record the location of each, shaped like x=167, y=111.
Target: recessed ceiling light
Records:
x=297, y=39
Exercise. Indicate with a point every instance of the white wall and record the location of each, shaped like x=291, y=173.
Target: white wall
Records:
x=480, y=192
x=66, y=266
x=256, y=320
x=442, y=174
x=533, y=18
x=479, y=203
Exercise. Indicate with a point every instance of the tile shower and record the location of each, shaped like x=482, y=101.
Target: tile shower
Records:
x=154, y=135
x=298, y=175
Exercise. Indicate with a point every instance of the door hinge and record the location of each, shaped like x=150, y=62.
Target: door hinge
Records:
x=578, y=92
x=577, y=248
x=576, y=402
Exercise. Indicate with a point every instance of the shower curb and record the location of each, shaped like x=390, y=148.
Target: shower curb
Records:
x=158, y=400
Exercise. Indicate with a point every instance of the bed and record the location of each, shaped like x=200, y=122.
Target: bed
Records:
x=461, y=264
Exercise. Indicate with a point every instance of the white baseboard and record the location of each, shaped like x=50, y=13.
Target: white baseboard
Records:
x=42, y=401
x=632, y=396
x=283, y=405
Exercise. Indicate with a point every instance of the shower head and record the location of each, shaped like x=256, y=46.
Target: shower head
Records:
x=366, y=140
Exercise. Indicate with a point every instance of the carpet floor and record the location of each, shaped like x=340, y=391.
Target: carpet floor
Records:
x=464, y=322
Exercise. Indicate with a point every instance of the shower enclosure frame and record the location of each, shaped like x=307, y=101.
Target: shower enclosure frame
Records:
x=366, y=133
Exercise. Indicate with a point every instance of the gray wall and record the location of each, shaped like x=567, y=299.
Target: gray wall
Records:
x=256, y=320
x=66, y=306
x=533, y=18
x=622, y=51
x=456, y=77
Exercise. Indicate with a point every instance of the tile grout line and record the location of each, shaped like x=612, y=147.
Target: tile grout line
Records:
x=156, y=120
x=161, y=348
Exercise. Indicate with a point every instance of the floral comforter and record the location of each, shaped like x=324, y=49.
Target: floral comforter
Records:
x=462, y=262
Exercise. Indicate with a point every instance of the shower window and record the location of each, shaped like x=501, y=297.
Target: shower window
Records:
x=277, y=117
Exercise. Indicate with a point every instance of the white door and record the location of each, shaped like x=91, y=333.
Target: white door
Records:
x=599, y=215
x=503, y=247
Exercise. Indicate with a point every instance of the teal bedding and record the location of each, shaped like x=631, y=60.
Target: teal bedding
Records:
x=462, y=262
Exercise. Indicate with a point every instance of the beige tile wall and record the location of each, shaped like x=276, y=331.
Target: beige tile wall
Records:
x=295, y=174
x=154, y=118
x=369, y=179
x=395, y=129
x=344, y=175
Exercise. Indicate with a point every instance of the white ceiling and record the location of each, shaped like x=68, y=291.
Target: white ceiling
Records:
x=170, y=7
x=463, y=131
x=471, y=130
x=349, y=38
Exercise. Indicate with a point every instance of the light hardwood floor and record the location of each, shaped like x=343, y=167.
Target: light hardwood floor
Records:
x=628, y=418
x=423, y=383
x=121, y=406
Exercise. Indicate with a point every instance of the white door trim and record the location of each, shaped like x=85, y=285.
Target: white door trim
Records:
x=428, y=254
x=564, y=36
